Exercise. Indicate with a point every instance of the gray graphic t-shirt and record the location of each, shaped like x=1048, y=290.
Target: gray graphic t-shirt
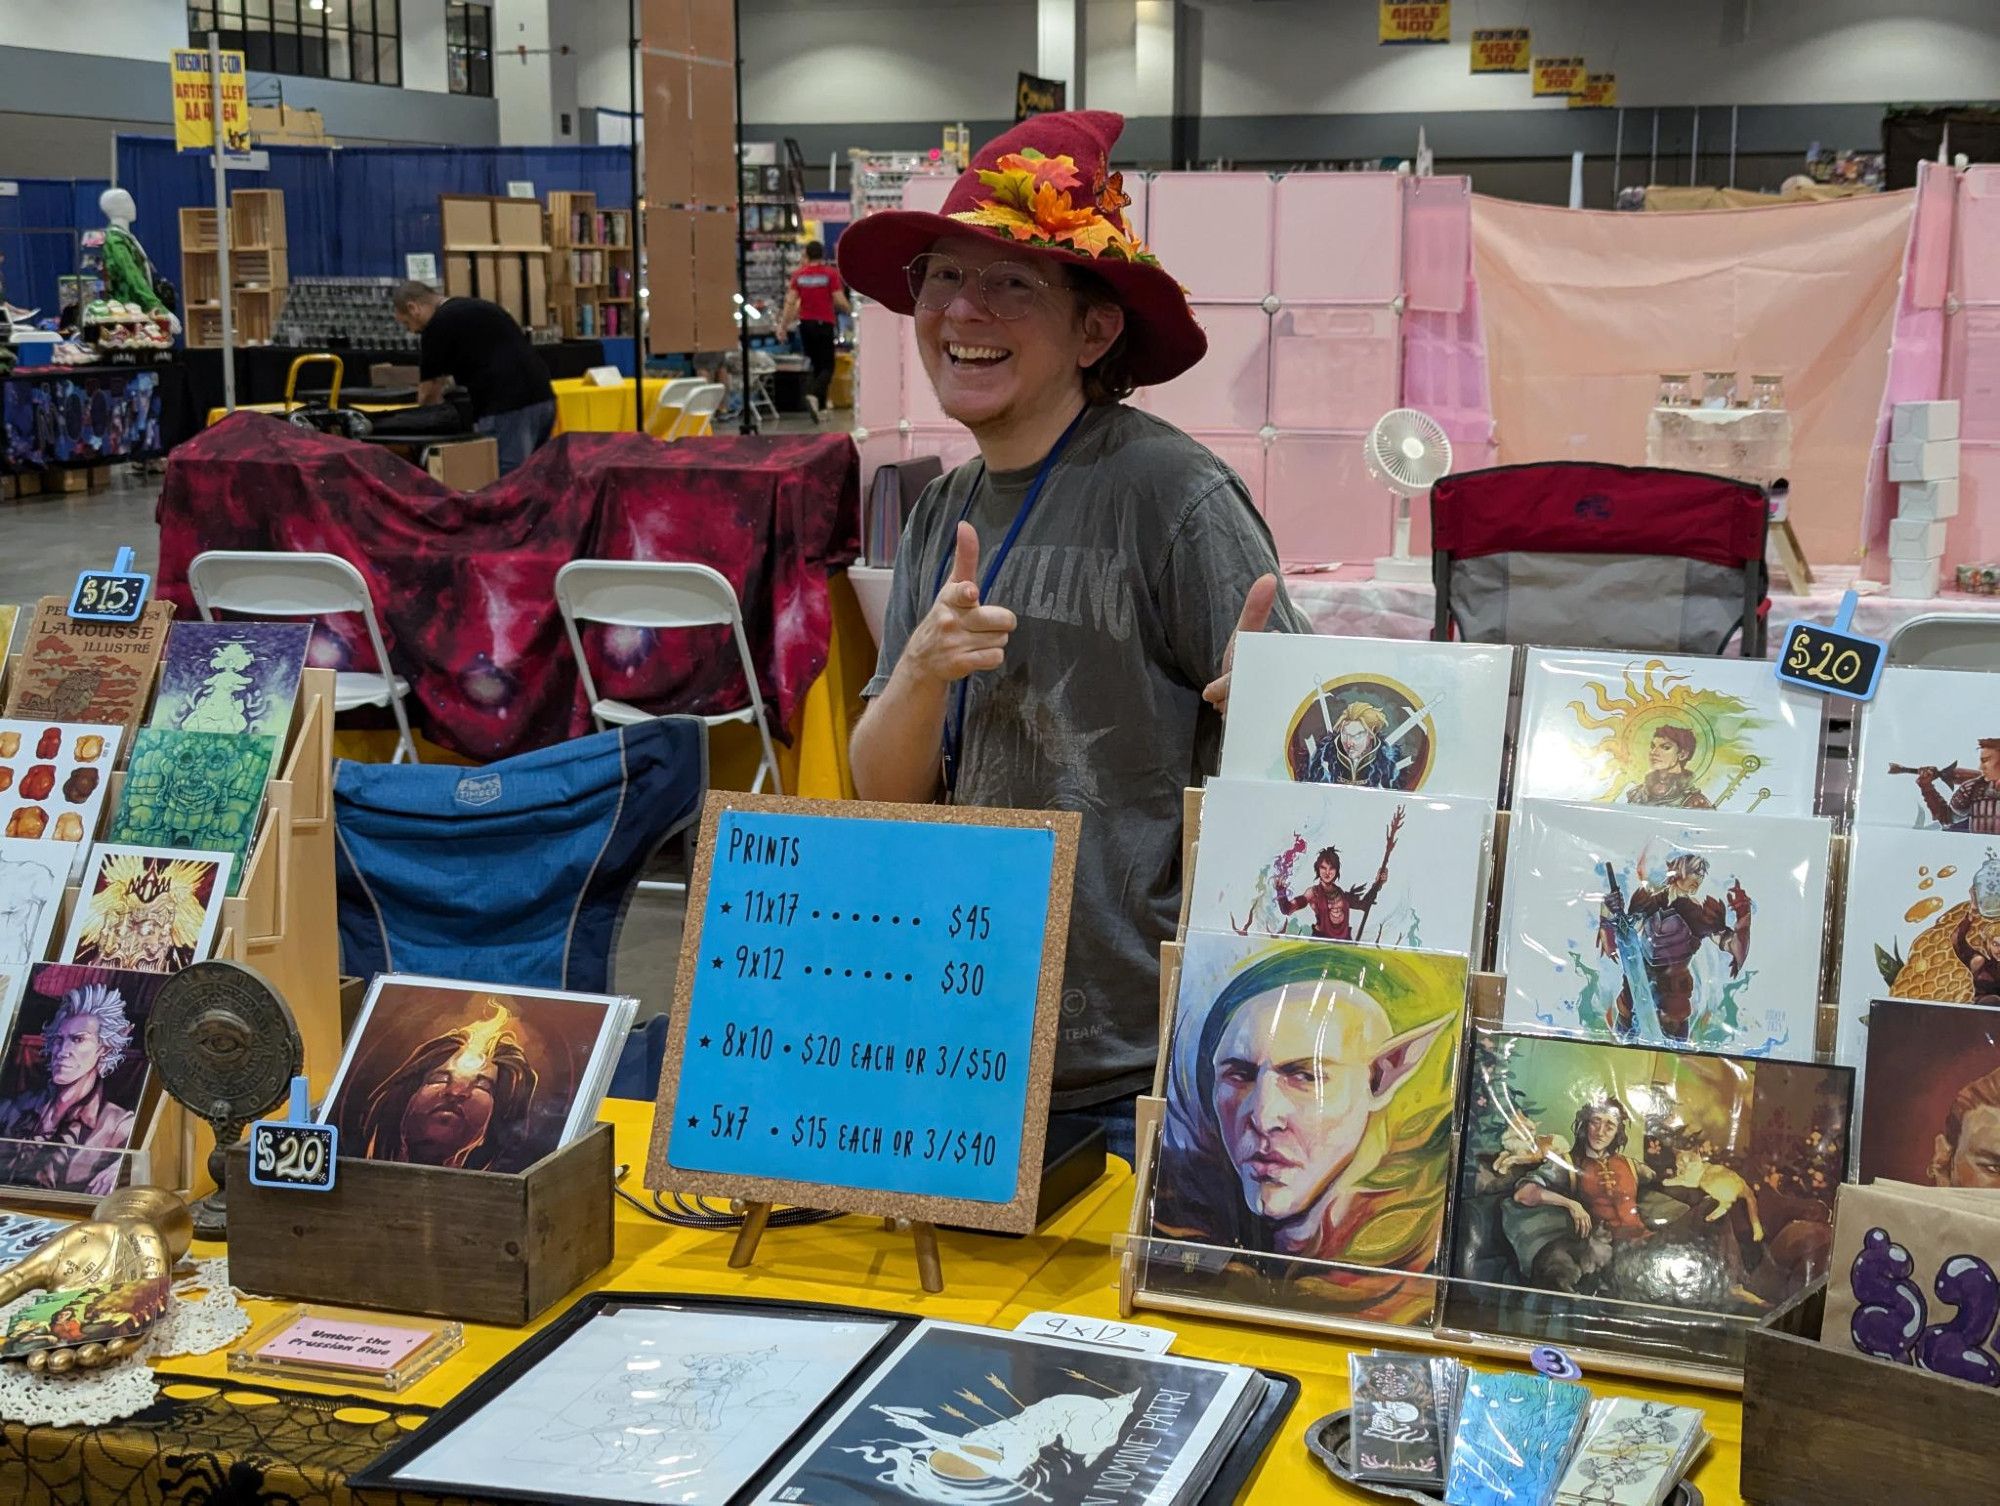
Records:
x=1127, y=580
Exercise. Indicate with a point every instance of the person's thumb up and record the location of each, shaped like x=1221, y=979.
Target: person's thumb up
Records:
x=961, y=587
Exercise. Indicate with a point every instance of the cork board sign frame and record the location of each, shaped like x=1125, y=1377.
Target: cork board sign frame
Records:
x=1014, y=1215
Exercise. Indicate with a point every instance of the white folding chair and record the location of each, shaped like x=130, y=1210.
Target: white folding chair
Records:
x=1948, y=640
x=666, y=598
x=257, y=583
x=697, y=411
x=667, y=408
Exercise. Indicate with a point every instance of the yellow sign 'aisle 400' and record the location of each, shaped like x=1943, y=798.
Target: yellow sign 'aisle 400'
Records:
x=1402, y=24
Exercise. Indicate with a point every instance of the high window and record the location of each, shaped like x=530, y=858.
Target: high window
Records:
x=468, y=41
x=357, y=40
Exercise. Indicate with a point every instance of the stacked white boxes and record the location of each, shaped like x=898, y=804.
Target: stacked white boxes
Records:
x=1923, y=462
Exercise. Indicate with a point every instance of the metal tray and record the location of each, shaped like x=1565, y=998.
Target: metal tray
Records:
x=1328, y=1440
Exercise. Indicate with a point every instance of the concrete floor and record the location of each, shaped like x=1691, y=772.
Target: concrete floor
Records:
x=45, y=540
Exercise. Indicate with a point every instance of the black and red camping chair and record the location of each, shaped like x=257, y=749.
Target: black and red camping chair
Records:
x=1568, y=554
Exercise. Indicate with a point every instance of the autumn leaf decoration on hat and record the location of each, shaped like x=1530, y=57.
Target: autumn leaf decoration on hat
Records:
x=1033, y=200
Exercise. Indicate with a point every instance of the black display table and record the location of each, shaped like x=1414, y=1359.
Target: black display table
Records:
x=261, y=369
x=93, y=415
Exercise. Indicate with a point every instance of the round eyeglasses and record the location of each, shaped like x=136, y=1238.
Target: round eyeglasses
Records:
x=1006, y=289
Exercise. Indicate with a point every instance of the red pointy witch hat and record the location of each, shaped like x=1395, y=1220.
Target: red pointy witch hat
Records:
x=1044, y=188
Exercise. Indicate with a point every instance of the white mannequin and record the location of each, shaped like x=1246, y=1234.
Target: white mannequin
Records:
x=116, y=205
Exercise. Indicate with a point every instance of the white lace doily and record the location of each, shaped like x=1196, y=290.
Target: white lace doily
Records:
x=203, y=1317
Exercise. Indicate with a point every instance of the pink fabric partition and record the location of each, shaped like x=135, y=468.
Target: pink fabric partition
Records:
x=1972, y=368
x=1582, y=311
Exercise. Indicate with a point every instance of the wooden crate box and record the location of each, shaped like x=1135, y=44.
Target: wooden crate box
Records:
x=477, y=1246
x=1830, y=1427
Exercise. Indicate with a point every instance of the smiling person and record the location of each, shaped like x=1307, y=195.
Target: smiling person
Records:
x=1059, y=631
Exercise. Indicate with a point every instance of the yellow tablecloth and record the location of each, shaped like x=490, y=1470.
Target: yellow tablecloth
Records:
x=1067, y=1267
x=582, y=407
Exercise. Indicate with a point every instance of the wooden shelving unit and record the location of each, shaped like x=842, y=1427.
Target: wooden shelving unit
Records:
x=592, y=272
x=259, y=271
x=494, y=249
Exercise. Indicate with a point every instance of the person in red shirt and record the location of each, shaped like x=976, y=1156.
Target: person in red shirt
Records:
x=811, y=303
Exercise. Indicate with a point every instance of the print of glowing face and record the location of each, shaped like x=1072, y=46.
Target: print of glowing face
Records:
x=452, y=1108
x=140, y=934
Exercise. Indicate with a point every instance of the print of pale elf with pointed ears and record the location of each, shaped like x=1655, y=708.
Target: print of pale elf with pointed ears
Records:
x=1298, y=1078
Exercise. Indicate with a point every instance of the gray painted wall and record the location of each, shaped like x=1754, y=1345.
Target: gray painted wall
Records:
x=1509, y=153
x=54, y=123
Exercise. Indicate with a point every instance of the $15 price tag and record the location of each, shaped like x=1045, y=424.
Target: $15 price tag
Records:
x=114, y=595
x=1832, y=660
x=294, y=1152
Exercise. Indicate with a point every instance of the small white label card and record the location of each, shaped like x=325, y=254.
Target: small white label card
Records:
x=1105, y=1333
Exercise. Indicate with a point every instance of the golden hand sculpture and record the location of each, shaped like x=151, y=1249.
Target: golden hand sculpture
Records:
x=135, y=1234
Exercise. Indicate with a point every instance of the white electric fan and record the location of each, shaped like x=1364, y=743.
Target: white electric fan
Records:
x=1407, y=452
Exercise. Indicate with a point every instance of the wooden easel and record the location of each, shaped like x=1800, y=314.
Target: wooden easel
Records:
x=757, y=1218
x=1791, y=558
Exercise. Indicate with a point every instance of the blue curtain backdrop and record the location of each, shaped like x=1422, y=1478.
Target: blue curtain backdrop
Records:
x=40, y=228
x=355, y=211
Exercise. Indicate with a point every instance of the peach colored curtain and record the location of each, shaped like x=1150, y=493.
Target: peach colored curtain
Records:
x=1584, y=309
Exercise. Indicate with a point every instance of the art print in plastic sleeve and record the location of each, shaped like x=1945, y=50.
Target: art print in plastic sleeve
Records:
x=1930, y=1098
x=653, y=1404
x=1396, y=1434
x=231, y=676
x=32, y=877
x=1914, y=1280
x=1310, y=1087
x=1514, y=1435
x=969, y=1414
x=1683, y=733
x=1921, y=921
x=1930, y=753
x=1632, y=1453
x=444, y=1073
x=1340, y=864
x=1421, y=718
x=1701, y=933
x=147, y=909
x=73, y=1077
x=53, y=780
x=1646, y=1201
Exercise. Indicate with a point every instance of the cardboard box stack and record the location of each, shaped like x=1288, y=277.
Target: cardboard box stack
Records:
x=1923, y=461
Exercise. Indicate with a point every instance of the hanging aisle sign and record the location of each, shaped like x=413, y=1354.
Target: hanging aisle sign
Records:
x=1501, y=51
x=1404, y=24
x=866, y=1011
x=1600, y=92
x=1559, y=76
x=193, y=130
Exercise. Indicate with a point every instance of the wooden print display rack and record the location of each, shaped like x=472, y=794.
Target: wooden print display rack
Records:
x=259, y=274
x=281, y=921
x=1486, y=993
x=494, y=248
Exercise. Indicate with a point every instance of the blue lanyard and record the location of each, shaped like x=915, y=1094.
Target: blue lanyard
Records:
x=954, y=726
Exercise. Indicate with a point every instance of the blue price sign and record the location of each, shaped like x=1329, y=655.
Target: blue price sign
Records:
x=114, y=595
x=1833, y=661
x=866, y=999
x=294, y=1152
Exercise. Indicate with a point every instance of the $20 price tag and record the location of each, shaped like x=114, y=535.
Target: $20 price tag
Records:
x=1833, y=661
x=294, y=1152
